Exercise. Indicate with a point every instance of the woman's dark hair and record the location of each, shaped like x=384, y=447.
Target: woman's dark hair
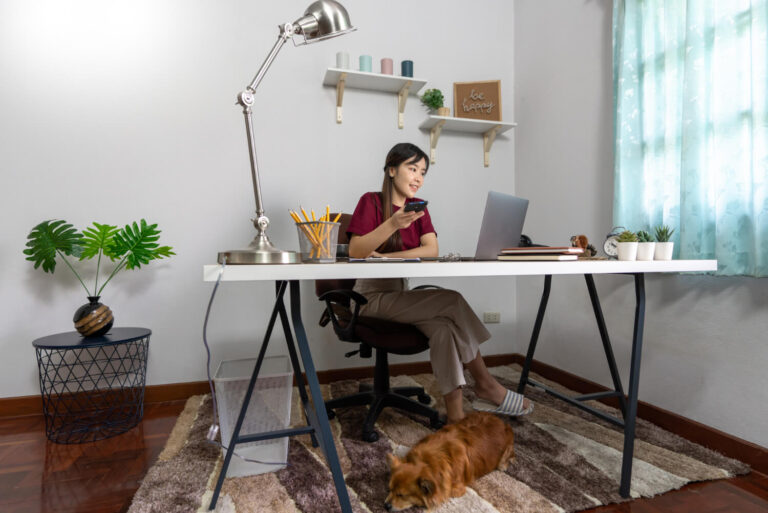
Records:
x=399, y=154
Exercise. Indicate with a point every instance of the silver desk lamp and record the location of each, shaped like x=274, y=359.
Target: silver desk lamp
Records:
x=323, y=19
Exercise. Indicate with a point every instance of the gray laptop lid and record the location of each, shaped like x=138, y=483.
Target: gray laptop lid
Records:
x=502, y=224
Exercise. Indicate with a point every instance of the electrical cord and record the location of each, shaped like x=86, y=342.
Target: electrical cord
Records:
x=213, y=431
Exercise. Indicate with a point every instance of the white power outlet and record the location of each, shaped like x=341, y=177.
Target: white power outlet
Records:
x=491, y=317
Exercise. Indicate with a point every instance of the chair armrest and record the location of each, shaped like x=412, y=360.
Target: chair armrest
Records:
x=427, y=287
x=342, y=297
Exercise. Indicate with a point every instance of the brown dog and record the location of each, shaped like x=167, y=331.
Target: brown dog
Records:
x=442, y=464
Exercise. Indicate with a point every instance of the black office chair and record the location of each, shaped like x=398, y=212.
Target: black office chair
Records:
x=342, y=311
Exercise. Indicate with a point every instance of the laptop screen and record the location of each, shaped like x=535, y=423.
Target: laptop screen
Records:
x=502, y=224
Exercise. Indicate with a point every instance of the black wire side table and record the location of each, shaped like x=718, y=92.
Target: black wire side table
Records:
x=92, y=388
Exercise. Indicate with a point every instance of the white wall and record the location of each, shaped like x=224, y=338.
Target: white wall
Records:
x=114, y=111
x=705, y=348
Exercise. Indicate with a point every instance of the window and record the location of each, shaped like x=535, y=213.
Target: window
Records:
x=691, y=126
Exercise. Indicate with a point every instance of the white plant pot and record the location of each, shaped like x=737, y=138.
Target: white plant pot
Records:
x=645, y=250
x=627, y=250
x=663, y=251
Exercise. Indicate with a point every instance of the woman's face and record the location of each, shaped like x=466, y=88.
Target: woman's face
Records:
x=407, y=180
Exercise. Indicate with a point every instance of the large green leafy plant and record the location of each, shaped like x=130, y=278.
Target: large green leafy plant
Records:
x=132, y=246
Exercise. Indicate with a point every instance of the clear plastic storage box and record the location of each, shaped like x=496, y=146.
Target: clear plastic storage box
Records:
x=269, y=410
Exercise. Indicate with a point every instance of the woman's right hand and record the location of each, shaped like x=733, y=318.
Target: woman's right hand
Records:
x=402, y=219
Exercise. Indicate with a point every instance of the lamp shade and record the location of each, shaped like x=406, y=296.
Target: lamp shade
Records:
x=324, y=19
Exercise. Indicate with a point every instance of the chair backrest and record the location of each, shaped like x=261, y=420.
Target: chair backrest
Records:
x=393, y=337
x=323, y=286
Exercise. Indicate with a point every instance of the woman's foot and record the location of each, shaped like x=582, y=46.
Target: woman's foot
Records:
x=513, y=404
x=493, y=392
x=489, y=390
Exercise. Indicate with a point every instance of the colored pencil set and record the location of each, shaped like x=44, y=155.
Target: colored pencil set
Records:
x=318, y=232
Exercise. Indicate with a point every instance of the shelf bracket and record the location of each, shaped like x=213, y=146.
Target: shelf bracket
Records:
x=401, y=97
x=434, y=135
x=488, y=138
x=340, y=95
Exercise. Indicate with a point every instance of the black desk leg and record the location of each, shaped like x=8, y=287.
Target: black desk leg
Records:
x=634, y=382
x=294, y=360
x=247, y=400
x=606, y=343
x=319, y=416
x=535, y=334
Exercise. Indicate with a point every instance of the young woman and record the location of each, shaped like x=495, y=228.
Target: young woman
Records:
x=380, y=226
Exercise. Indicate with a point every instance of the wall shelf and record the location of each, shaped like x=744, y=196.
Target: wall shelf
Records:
x=346, y=78
x=489, y=129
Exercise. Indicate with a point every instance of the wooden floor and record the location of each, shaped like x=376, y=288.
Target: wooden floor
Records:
x=39, y=476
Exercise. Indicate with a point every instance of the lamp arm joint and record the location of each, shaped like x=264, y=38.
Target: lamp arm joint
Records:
x=261, y=223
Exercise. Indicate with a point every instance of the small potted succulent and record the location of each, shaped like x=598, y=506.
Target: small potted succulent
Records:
x=664, y=246
x=645, y=245
x=433, y=99
x=131, y=247
x=627, y=245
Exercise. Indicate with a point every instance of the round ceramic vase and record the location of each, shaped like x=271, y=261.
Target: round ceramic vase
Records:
x=93, y=319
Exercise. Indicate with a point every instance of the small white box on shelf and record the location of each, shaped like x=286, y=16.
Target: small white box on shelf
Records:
x=268, y=410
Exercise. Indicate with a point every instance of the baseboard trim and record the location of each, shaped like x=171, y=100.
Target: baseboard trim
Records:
x=729, y=445
x=33, y=404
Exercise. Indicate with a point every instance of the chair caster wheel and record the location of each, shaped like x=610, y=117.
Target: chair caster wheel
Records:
x=424, y=398
x=436, y=423
x=331, y=414
x=370, y=436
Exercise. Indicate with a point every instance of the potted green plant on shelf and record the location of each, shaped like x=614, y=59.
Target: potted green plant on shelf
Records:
x=645, y=245
x=131, y=247
x=627, y=245
x=664, y=246
x=433, y=99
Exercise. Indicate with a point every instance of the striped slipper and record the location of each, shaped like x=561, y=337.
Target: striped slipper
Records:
x=512, y=405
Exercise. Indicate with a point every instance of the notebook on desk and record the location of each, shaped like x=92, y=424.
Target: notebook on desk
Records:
x=502, y=225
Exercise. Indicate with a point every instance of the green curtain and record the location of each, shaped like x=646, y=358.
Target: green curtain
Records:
x=691, y=126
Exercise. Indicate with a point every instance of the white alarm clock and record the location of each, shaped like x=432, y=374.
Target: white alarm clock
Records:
x=610, y=246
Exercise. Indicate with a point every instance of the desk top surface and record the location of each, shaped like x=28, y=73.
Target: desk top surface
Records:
x=346, y=270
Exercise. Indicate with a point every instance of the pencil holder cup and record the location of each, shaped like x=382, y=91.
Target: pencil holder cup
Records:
x=317, y=241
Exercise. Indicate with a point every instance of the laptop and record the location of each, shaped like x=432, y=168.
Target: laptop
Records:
x=502, y=224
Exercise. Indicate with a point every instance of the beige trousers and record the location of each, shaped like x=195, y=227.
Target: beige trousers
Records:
x=454, y=331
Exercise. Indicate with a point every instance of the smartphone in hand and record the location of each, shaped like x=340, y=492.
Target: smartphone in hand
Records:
x=415, y=206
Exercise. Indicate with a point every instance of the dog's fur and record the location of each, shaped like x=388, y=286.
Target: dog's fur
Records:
x=442, y=464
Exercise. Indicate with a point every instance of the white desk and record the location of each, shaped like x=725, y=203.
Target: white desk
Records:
x=342, y=270
x=317, y=418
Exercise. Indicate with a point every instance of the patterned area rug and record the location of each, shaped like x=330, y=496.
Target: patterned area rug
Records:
x=566, y=460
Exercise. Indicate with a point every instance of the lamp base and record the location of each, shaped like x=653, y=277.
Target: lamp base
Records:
x=260, y=251
x=249, y=256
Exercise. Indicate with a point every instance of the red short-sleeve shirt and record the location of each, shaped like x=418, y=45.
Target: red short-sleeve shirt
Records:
x=368, y=216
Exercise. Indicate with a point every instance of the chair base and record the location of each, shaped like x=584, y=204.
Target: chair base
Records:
x=396, y=397
x=379, y=396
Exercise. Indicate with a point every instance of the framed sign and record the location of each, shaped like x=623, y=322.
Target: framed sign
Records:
x=477, y=100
